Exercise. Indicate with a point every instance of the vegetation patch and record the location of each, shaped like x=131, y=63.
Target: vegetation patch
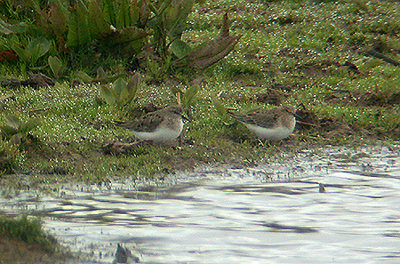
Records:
x=71, y=69
x=22, y=240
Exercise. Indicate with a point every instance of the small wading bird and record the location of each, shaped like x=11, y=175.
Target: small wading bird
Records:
x=160, y=126
x=272, y=124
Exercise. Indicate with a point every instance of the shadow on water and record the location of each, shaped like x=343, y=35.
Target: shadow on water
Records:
x=271, y=214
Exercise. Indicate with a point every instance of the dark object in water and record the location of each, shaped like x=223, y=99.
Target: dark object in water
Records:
x=124, y=255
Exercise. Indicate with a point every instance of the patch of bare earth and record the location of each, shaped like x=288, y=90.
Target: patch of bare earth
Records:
x=15, y=251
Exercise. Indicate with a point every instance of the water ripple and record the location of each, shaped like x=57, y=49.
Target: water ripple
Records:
x=269, y=214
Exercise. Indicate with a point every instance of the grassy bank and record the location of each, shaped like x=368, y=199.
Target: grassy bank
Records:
x=22, y=240
x=329, y=59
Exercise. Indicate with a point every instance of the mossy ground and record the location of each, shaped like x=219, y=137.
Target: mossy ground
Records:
x=310, y=54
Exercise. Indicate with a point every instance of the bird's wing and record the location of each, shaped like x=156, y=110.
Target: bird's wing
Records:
x=262, y=118
x=145, y=123
x=148, y=122
x=267, y=118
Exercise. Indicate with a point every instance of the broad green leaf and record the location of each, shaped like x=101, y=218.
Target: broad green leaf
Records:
x=72, y=37
x=109, y=11
x=78, y=28
x=219, y=107
x=101, y=74
x=7, y=28
x=159, y=7
x=190, y=93
x=62, y=7
x=109, y=94
x=43, y=46
x=179, y=48
x=109, y=78
x=129, y=93
x=83, y=76
x=99, y=27
x=176, y=16
x=29, y=125
x=84, y=33
x=179, y=10
x=13, y=122
x=15, y=131
x=119, y=85
x=37, y=48
x=122, y=16
x=57, y=20
x=23, y=54
x=32, y=51
x=56, y=66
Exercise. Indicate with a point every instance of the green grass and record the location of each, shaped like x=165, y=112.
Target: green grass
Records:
x=299, y=44
x=10, y=157
x=27, y=230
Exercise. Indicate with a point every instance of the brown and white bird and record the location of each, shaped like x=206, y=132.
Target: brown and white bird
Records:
x=160, y=126
x=273, y=124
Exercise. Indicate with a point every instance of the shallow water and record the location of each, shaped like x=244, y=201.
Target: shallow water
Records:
x=269, y=214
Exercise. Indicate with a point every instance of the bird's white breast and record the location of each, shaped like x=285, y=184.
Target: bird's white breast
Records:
x=161, y=134
x=276, y=133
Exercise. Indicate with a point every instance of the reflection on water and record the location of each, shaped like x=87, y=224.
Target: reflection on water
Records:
x=270, y=214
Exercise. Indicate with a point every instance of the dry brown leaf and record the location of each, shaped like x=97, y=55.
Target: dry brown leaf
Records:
x=214, y=50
